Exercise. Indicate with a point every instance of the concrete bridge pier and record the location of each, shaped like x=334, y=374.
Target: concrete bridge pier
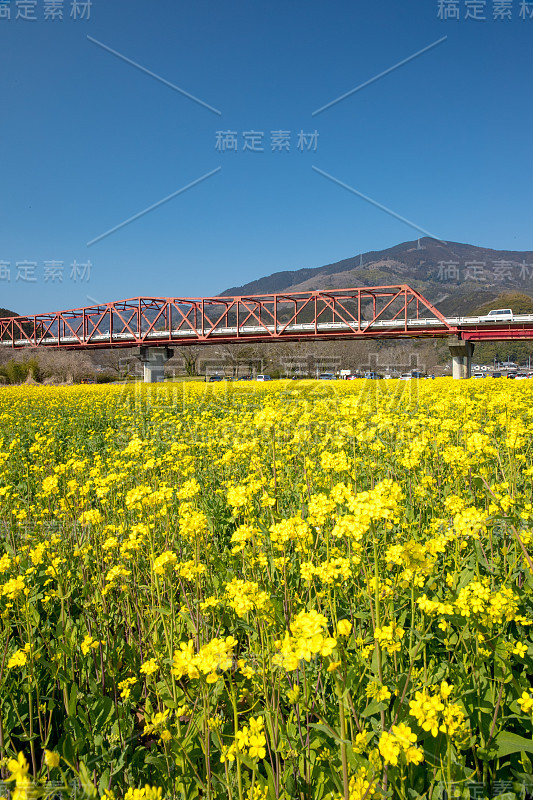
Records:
x=153, y=360
x=461, y=352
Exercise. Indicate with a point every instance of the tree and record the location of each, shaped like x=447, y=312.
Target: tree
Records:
x=191, y=355
x=66, y=366
x=489, y=352
x=121, y=361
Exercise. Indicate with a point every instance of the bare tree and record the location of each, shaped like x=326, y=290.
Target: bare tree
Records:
x=191, y=355
x=120, y=361
x=66, y=366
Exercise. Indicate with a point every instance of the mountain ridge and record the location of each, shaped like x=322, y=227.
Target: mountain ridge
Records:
x=454, y=276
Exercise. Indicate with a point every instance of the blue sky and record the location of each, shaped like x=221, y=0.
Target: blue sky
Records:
x=88, y=140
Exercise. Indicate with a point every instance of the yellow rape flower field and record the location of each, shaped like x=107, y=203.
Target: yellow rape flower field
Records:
x=248, y=592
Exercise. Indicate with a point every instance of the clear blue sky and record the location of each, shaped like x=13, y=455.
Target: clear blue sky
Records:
x=88, y=140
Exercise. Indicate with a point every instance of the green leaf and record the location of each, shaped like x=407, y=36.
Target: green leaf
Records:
x=373, y=708
x=72, y=700
x=104, y=781
x=506, y=743
x=102, y=709
x=86, y=782
x=327, y=730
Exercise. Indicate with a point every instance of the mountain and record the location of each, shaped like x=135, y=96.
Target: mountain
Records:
x=454, y=277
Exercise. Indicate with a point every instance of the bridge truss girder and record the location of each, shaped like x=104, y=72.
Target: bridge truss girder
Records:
x=362, y=313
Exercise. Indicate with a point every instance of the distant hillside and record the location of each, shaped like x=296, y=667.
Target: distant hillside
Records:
x=518, y=351
x=5, y=312
x=455, y=277
x=518, y=302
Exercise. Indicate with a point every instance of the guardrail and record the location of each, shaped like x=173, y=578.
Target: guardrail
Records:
x=369, y=312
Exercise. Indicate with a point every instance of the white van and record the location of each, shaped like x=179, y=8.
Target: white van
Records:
x=498, y=315
x=263, y=378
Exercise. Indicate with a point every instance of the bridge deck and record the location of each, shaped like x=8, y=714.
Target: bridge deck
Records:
x=364, y=313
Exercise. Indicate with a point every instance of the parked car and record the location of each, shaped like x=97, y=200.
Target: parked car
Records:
x=496, y=374
x=372, y=376
x=213, y=378
x=521, y=376
x=263, y=378
x=498, y=315
x=478, y=375
x=245, y=378
x=406, y=376
x=326, y=376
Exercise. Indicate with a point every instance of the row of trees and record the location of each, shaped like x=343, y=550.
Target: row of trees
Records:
x=517, y=351
x=280, y=359
x=45, y=366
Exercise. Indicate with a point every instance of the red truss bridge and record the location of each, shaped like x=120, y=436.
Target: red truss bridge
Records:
x=378, y=312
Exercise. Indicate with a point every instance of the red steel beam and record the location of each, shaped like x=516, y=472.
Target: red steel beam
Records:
x=512, y=332
x=182, y=321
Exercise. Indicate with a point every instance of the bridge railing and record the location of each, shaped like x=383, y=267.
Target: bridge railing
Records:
x=362, y=312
